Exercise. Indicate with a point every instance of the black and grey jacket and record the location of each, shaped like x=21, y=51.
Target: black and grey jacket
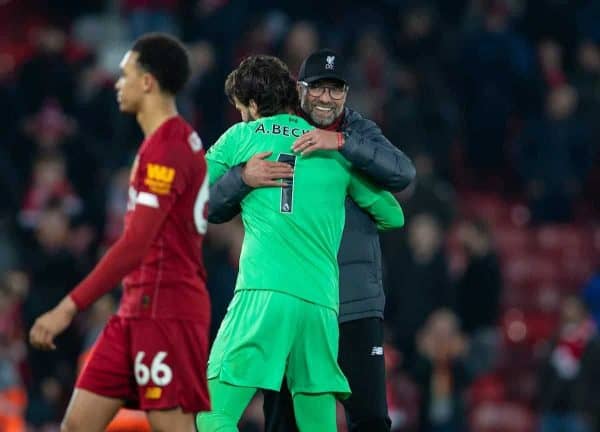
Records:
x=361, y=288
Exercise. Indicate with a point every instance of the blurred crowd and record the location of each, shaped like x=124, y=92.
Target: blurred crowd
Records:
x=494, y=284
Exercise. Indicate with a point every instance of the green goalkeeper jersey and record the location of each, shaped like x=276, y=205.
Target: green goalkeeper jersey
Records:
x=292, y=233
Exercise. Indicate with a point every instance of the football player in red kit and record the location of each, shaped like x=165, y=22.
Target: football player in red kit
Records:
x=152, y=353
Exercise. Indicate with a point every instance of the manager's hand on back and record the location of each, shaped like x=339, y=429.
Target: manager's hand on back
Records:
x=318, y=139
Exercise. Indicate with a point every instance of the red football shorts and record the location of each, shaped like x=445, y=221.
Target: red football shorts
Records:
x=152, y=364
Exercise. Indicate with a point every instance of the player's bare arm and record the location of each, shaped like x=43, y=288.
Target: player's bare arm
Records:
x=52, y=323
x=125, y=255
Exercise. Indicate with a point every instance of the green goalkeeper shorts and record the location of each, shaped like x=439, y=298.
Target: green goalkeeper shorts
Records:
x=267, y=335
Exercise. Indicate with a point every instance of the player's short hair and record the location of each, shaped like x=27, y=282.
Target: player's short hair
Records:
x=165, y=58
x=267, y=81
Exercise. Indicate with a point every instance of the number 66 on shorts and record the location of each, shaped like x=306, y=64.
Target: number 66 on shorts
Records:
x=160, y=373
x=149, y=363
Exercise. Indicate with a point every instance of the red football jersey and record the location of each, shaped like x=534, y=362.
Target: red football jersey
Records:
x=169, y=173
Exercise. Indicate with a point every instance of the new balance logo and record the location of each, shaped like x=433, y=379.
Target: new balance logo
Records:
x=377, y=351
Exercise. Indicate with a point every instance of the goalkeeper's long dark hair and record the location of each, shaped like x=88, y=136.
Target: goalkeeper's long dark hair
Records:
x=267, y=81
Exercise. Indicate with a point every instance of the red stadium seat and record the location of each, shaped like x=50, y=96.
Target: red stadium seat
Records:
x=502, y=417
x=527, y=327
x=523, y=268
x=563, y=237
x=511, y=240
x=489, y=207
x=487, y=388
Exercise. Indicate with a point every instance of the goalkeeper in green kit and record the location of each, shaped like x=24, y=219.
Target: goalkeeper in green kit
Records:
x=282, y=320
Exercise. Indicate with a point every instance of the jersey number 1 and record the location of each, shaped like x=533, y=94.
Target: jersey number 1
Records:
x=287, y=185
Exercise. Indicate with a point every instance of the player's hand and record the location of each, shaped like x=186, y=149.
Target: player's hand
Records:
x=259, y=172
x=316, y=139
x=51, y=324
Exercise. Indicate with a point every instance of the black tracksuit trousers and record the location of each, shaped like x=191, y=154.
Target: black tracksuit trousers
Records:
x=361, y=359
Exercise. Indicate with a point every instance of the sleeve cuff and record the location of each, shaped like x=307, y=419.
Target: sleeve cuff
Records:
x=76, y=300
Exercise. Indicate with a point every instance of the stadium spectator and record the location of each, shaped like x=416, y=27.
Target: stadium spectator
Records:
x=418, y=113
x=222, y=252
x=95, y=94
x=427, y=194
x=10, y=115
x=551, y=20
x=417, y=42
x=586, y=18
x=49, y=61
x=550, y=56
x=52, y=270
x=496, y=66
x=373, y=71
x=146, y=16
x=417, y=281
x=478, y=294
x=44, y=132
x=45, y=404
x=205, y=101
x=440, y=373
x=52, y=131
x=587, y=83
x=568, y=393
x=49, y=184
x=555, y=155
x=299, y=43
x=402, y=393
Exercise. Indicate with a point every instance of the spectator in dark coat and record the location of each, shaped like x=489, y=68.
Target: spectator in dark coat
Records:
x=555, y=156
x=53, y=270
x=429, y=193
x=496, y=67
x=47, y=74
x=569, y=395
x=417, y=280
x=478, y=295
x=587, y=83
x=441, y=375
x=480, y=286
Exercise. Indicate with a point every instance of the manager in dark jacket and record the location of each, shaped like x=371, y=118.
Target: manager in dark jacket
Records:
x=323, y=89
